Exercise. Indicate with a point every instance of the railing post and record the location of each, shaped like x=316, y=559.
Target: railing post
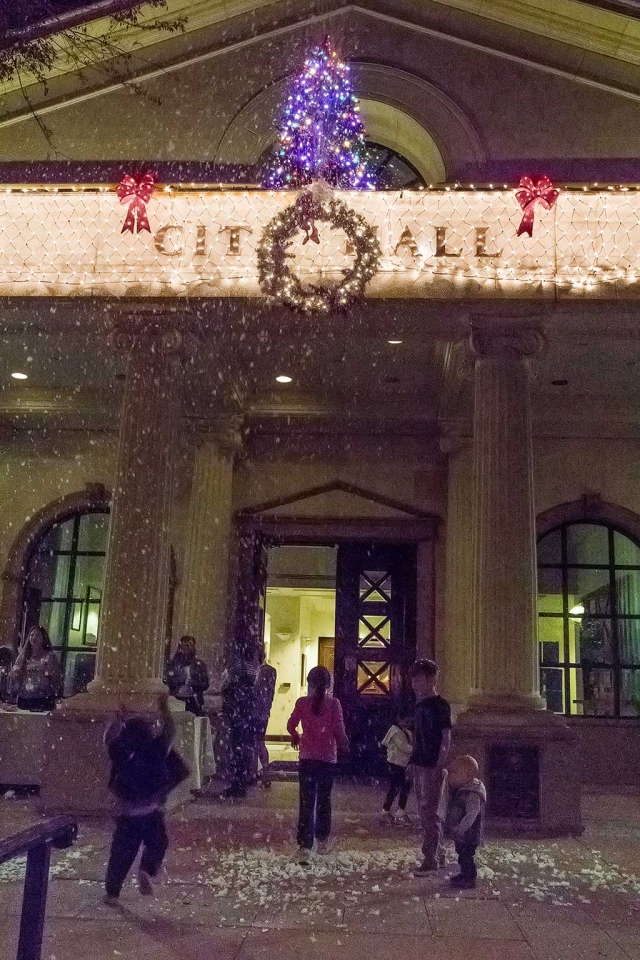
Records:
x=34, y=903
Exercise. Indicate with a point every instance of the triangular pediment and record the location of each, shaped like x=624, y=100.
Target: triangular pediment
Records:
x=339, y=500
x=195, y=83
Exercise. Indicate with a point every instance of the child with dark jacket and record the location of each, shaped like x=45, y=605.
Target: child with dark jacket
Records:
x=465, y=817
x=144, y=770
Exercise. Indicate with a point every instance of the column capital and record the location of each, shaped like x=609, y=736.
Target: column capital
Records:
x=226, y=434
x=146, y=334
x=527, y=342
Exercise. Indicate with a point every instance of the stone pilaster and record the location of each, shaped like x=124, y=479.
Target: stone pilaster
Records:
x=456, y=655
x=506, y=670
x=206, y=565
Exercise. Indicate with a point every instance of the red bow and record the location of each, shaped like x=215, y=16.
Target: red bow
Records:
x=530, y=193
x=137, y=193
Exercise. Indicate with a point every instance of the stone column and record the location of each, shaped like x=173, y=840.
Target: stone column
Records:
x=132, y=633
x=131, y=637
x=506, y=671
x=206, y=564
x=527, y=756
x=456, y=655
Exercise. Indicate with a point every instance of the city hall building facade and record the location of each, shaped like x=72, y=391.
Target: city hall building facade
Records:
x=447, y=468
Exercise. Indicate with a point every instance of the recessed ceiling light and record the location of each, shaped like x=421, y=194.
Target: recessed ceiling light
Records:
x=283, y=379
x=20, y=376
x=394, y=341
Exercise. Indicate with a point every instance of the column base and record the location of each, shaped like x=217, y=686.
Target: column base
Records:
x=107, y=696
x=76, y=764
x=530, y=764
x=506, y=703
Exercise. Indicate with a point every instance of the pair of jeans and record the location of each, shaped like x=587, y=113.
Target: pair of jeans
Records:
x=314, y=820
x=466, y=853
x=429, y=787
x=398, y=784
x=130, y=832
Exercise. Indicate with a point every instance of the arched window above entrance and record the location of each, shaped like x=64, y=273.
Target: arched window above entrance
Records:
x=589, y=618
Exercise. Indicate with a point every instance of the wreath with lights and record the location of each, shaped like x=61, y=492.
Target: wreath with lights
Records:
x=281, y=284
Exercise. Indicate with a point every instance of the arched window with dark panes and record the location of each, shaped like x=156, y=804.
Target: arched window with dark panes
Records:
x=589, y=620
x=63, y=593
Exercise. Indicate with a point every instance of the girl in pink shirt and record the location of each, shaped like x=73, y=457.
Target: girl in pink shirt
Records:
x=322, y=734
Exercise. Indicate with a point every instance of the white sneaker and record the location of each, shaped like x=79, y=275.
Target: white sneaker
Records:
x=304, y=856
x=402, y=817
x=322, y=847
x=386, y=816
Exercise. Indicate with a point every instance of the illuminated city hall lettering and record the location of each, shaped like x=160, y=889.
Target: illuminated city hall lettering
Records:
x=235, y=238
x=170, y=240
x=172, y=245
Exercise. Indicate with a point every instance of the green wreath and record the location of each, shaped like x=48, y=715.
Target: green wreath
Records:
x=278, y=281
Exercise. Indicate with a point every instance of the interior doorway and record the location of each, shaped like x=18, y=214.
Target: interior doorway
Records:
x=350, y=607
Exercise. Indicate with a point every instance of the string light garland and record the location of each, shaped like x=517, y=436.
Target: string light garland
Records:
x=278, y=281
x=322, y=135
x=452, y=240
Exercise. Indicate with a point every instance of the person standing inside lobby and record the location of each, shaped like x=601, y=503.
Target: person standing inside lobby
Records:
x=239, y=711
x=187, y=677
x=36, y=675
x=431, y=742
x=265, y=692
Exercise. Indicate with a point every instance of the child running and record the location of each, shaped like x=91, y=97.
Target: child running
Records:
x=465, y=817
x=323, y=734
x=399, y=743
x=144, y=770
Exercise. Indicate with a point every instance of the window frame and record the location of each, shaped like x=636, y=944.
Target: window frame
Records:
x=68, y=599
x=613, y=665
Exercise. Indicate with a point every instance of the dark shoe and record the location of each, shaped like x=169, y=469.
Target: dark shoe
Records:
x=233, y=793
x=426, y=867
x=463, y=883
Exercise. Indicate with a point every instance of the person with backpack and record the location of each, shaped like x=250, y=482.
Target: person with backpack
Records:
x=323, y=733
x=144, y=770
x=399, y=746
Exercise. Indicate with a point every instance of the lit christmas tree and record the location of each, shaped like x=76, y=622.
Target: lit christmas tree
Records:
x=322, y=136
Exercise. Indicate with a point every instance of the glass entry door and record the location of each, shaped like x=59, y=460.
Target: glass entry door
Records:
x=350, y=607
x=375, y=641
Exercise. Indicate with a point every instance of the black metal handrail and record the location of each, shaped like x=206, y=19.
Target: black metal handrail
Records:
x=36, y=842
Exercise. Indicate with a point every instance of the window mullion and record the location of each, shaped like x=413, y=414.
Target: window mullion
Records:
x=566, y=670
x=75, y=538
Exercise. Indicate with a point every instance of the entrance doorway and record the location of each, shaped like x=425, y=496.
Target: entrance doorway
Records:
x=352, y=608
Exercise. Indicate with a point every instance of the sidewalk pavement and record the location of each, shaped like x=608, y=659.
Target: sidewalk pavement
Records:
x=232, y=890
